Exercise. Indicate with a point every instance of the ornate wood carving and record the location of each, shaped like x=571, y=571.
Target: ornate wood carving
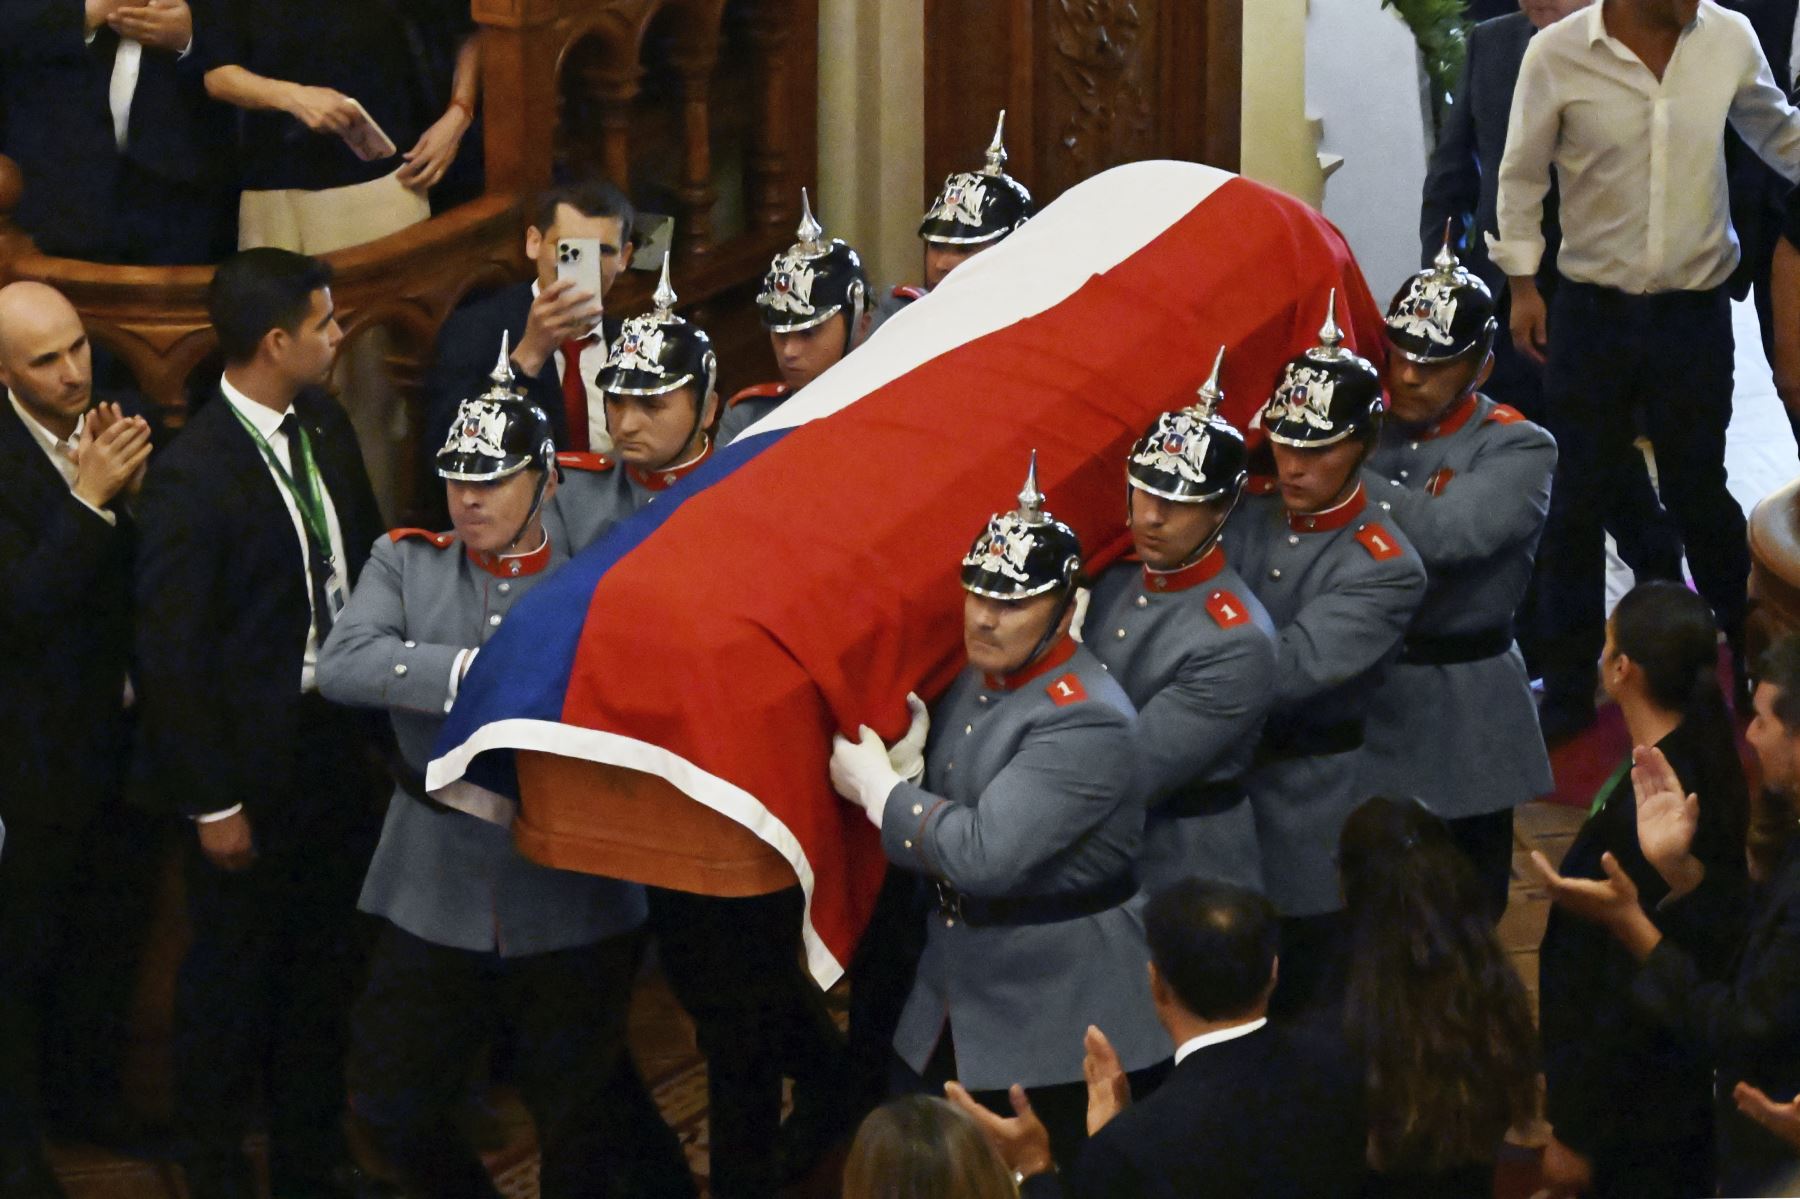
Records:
x=1087, y=84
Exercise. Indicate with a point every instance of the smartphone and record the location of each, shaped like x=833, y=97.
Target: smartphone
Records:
x=578, y=260
x=366, y=139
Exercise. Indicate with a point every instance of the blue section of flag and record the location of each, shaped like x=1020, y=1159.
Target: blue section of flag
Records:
x=523, y=672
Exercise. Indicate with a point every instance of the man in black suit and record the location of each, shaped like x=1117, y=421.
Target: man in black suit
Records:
x=1461, y=193
x=1250, y=1108
x=124, y=157
x=253, y=528
x=544, y=320
x=1749, y=1023
x=66, y=470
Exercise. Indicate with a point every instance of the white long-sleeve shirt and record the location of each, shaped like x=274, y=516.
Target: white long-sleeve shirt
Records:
x=1640, y=161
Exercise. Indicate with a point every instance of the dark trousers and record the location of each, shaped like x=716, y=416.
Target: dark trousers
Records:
x=1062, y=1107
x=422, y=1021
x=73, y=908
x=264, y=993
x=160, y=222
x=735, y=965
x=1666, y=1170
x=881, y=976
x=1672, y=355
x=1487, y=841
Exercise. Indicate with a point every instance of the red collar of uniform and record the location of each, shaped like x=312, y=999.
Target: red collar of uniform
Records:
x=1055, y=656
x=513, y=566
x=1455, y=419
x=1191, y=575
x=668, y=476
x=1332, y=518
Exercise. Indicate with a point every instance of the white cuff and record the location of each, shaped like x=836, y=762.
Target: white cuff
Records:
x=211, y=817
x=459, y=667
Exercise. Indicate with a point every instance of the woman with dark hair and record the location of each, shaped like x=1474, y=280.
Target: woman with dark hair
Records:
x=920, y=1147
x=1630, y=1105
x=1433, y=1005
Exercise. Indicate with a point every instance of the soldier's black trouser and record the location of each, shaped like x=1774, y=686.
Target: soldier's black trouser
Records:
x=428, y=1011
x=1672, y=354
x=1487, y=841
x=735, y=965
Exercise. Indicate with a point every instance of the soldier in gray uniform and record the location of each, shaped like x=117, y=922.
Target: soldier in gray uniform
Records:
x=475, y=937
x=1191, y=645
x=1341, y=584
x=1024, y=816
x=660, y=382
x=815, y=304
x=972, y=212
x=1468, y=482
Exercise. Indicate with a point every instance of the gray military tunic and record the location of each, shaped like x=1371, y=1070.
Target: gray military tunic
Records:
x=598, y=491
x=1195, y=651
x=1341, y=587
x=1028, y=792
x=749, y=406
x=443, y=875
x=1471, y=493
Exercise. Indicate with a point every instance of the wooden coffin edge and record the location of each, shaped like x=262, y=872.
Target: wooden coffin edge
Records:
x=652, y=833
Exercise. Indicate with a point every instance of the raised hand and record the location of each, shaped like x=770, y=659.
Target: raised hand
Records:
x=1021, y=1139
x=107, y=461
x=1108, y=1089
x=1666, y=819
x=561, y=312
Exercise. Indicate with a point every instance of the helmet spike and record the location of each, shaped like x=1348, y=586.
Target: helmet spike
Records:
x=1445, y=262
x=1031, y=500
x=664, y=298
x=1210, y=391
x=502, y=374
x=1331, y=338
x=810, y=232
x=996, y=151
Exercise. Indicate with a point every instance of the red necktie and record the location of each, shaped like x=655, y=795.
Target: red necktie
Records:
x=575, y=400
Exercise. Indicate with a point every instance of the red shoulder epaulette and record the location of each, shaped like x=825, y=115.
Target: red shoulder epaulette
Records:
x=578, y=461
x=1379, y=542
x=908, y=291
x=759, y=391
x=1503, y=414
x=1227, y=609
x=441, y=540
x=1067, y=690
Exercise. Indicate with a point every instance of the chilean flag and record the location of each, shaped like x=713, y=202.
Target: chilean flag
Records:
x=805, y=578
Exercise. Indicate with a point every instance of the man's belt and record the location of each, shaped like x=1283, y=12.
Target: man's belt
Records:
x=1448, y=649
x=1203, y=799
x=1034, y=909
x=1281, y=742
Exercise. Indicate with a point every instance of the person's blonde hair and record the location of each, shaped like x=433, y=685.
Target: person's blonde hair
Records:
x=919, y=1147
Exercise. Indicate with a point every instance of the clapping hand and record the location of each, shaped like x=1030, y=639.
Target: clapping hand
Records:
x=1108, y=1089
x=1021, y=1139
x=111, y=455
x=1604, y=901
x=159, y=24
x=1782, y=1119
x=1666, y=819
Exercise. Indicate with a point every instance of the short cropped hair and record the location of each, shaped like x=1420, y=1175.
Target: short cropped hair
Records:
x=1779, y=666
x=592, y=197
x=257, y=290
x=1214, y=945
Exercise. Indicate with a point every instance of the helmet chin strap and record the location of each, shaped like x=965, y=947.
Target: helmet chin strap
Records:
x=1049, y=637
x=537, y=502
x=1211, y=539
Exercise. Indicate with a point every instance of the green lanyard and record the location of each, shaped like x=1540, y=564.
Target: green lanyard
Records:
x=1606, y=788
x=310, y=507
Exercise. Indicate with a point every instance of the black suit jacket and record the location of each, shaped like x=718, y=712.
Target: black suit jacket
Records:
x=65, y=608
x=58, y=126
x=1277, y=1113
x=1615, y=1076
x=1757, y=189
x=1748, y=1023
x=1462, y=180
x=223, y=615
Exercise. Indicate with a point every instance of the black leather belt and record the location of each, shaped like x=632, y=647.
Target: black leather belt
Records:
x=1284, y=741
x=1448, y=649
x=1034, y=909
x=1204, y=799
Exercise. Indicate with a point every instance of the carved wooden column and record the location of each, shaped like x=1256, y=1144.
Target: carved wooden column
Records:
x=519, y=50
x=771, y=185
x=695, y=55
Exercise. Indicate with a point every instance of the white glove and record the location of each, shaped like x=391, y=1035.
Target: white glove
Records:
x=860, y=772
x=907, y=756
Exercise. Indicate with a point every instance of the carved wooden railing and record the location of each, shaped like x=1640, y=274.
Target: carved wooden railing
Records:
x=589, y=82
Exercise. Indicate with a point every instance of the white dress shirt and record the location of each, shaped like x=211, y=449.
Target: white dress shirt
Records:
x=593, y=357
x=267, y=421
x=1640, y=161
x=61, y=452
x=1218, y=1037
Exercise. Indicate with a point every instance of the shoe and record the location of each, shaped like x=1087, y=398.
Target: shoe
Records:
x=26, y=1174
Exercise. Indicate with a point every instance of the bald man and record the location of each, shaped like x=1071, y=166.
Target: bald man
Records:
x=68, y=469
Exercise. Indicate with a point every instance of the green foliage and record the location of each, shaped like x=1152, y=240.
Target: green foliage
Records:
x=1442, y=30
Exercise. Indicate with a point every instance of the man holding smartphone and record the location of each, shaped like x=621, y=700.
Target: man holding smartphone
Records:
x=554, y=324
